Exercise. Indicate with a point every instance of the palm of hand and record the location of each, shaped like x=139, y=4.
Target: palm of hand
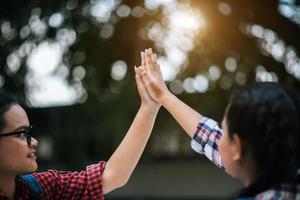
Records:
x=152, y=76
x=156, y=86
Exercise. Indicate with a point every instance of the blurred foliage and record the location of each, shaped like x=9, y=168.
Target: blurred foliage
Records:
x=94, y=126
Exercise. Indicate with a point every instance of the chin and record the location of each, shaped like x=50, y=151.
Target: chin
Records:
x=32, y=168
x=35, y=167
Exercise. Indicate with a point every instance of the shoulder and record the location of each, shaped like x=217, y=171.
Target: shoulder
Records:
x=53, y=175
x=72, y=184
x=282, y=191
x=27, y=187
x=31, y=182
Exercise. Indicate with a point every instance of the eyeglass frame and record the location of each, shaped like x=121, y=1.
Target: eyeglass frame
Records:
x=28, y=131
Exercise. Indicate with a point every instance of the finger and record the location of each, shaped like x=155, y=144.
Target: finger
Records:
x=153, y=61
x=138, y=80
x=136, y=70
x=157, y=67
x=142, y=58
x=141, y=69
x=141, y=86
x=149, y=51
x=144, y=75
x=138, y=76
x=153, y=57
x=147, y=60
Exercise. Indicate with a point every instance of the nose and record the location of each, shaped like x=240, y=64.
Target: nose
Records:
x=34, y=142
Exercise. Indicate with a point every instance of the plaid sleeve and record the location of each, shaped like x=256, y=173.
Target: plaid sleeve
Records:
x=206, y=140
x=86, y=184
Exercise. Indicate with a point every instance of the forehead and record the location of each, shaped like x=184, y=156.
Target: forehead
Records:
x=14, y=118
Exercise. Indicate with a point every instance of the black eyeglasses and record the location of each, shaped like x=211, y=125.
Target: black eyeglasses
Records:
x=28, y=132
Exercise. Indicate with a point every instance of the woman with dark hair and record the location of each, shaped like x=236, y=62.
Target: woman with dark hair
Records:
x=259, y=139
x=18, y=156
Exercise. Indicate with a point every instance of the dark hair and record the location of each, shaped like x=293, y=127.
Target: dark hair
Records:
x=265, y=117
x=296, y=100
x=6, y=101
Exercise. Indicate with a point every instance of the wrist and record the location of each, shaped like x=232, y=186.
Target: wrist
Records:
x=165, y=98
x=153, y=107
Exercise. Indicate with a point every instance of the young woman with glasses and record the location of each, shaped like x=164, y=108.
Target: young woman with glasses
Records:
x=18, y=156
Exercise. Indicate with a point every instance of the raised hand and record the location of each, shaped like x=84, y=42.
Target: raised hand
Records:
x=152, y=76
x=157, y=89
x=146, y=99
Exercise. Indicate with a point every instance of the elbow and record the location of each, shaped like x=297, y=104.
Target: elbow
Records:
x=112, y=180
x=122, y=183
x=119, y=180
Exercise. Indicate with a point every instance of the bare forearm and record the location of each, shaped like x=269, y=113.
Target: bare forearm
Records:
x=122, y=163
x=187, y=117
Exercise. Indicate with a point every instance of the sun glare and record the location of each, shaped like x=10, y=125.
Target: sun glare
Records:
x=175, y=35
x=187, y=20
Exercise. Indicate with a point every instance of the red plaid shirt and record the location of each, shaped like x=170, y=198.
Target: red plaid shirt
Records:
x=65, y=185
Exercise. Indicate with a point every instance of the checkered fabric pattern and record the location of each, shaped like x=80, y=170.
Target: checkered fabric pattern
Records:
x=83, y=185
x=206, y=140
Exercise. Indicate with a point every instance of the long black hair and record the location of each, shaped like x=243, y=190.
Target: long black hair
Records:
x=6, y=101
x=266, y=118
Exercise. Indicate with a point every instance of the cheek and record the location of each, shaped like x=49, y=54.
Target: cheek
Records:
x=12, y=154
x=221, y=147
x=224, y=153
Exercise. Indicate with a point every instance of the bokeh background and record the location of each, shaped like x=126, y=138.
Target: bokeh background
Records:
x=70, y=63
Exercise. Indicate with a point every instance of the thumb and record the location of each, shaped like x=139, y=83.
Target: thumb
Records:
x=144, y=75
x=138, y=78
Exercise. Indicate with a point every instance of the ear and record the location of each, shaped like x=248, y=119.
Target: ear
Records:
x=236, y=145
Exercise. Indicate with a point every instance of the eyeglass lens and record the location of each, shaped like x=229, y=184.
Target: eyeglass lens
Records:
x=29, y=134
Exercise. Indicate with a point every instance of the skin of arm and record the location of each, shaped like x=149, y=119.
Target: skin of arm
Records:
x=123, y=161
x=187, y=117
x=152, y=78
